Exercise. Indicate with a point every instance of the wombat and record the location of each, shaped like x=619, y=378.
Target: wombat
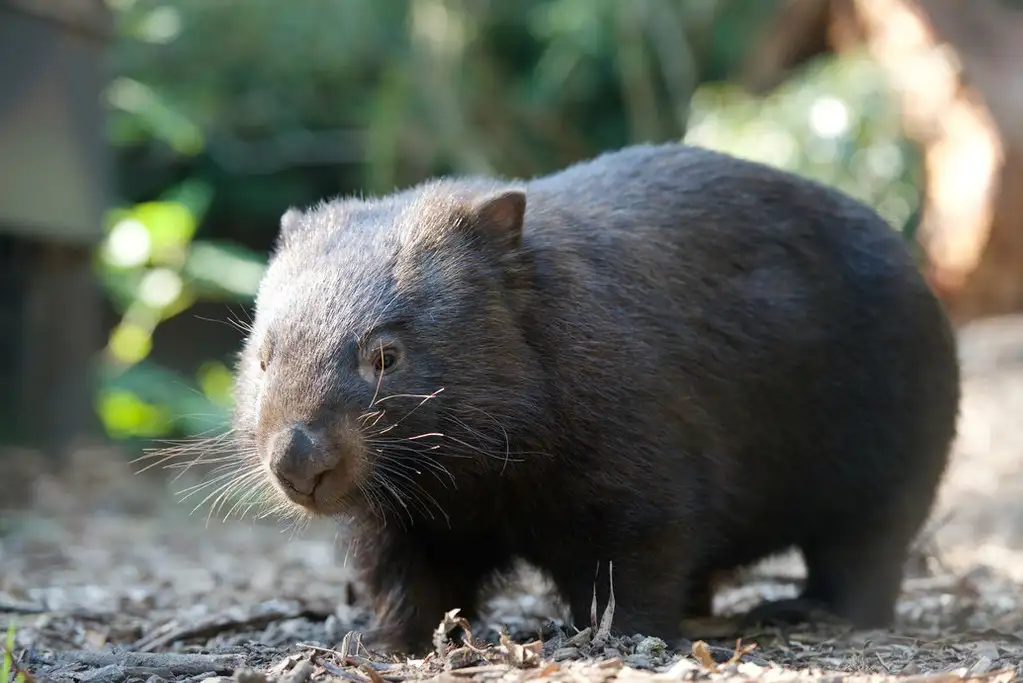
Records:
x=665, y=358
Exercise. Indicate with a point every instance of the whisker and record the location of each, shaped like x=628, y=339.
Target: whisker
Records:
x=434, y=467
x=409, y=413
x=244, y=500
x=380, y=379
x=422, y=396
x=507, y=443
x=395, y=498
x=224, y=472
x=205, y=450
x=224, y=482
x=370, y=415
x=391, y=468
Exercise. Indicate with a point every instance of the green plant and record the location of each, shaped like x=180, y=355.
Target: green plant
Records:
x=153, y=268
x=9, y=667
x=834, y=122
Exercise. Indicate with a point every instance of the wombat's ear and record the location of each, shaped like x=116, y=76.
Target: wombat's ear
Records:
x=290, y=221
x=499, y=217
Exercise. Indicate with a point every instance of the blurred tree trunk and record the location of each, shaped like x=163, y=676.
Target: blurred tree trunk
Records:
x=955, y=68
x=53, y=193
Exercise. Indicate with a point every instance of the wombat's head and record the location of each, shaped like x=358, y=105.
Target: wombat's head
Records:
x=386, y=360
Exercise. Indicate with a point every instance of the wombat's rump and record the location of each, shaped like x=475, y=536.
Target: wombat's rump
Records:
x=664, y=357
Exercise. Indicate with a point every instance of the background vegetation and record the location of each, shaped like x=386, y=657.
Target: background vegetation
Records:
x=225, y=113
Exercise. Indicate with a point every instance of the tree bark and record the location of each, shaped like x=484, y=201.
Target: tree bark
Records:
x=953, y=66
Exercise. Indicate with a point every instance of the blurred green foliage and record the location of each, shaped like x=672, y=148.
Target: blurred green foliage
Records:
x=257, y=105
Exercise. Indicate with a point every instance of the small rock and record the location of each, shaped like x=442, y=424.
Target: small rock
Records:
x=982, y=666
x=300, y=673
x=749, y=669
x=651, y=646
x=582, y=638
x=248, y=675
x=727, y=670
x=156, y=679
x=989, y=650
x=293, y=627
x=333, y=628
x=638, y=661
x=563, y=653
x=682, y=668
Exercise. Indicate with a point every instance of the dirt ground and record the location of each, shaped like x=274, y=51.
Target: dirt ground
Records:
x=107, y=579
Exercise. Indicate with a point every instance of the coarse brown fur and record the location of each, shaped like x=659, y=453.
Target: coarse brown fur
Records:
x=664, y=357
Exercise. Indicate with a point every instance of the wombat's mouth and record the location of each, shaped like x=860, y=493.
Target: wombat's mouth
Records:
x=328, y=493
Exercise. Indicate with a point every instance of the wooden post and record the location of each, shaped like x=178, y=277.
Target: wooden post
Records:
x=54, y=184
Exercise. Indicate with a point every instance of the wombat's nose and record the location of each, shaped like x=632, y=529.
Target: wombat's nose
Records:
x=295, y=459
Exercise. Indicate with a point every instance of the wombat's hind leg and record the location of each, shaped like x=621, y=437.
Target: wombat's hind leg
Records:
x=856, y=577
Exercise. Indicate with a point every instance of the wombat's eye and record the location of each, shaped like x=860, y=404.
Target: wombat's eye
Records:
x=384, y=360
x=379, y=357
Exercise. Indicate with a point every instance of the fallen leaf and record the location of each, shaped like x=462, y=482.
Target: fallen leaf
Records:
x=703, y=656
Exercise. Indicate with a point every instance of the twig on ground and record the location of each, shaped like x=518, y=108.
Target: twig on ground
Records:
x=230, y=621
x=18, y=607
x=177, y=664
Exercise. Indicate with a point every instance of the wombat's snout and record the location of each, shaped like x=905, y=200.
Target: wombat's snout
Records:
x=299, y=459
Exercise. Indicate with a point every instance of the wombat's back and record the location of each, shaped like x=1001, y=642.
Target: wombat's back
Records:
x=745, y=328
